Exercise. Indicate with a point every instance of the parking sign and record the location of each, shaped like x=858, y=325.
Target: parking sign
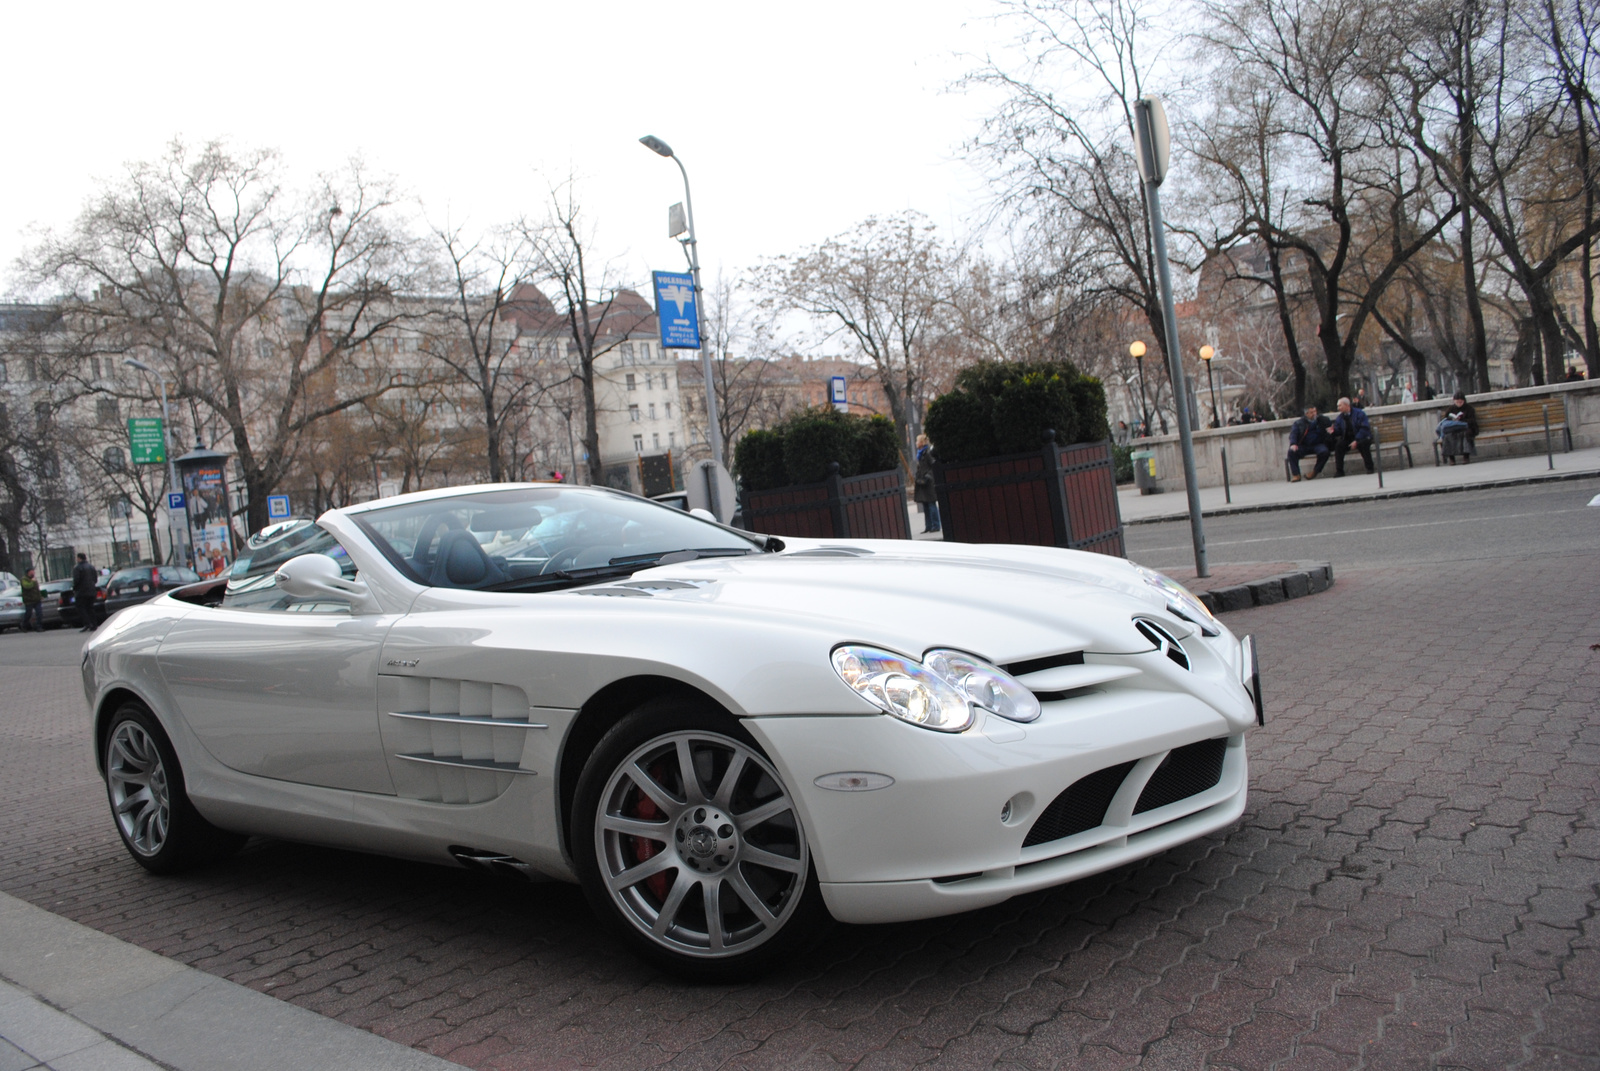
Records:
x=175, y=500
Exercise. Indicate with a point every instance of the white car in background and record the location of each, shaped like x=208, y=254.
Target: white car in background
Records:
x=720, y=735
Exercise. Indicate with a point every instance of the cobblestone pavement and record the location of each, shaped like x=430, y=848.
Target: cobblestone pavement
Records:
x=1413, y=885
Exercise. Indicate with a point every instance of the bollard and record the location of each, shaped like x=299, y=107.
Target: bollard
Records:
x=1377, y=451
x=1227, y=490
x=1549, y=451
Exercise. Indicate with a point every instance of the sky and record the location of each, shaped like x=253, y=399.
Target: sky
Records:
x=795, y=121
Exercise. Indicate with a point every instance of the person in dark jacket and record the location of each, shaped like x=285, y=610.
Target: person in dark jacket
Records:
x=923, y=491
x=1351, y=430
x=32, y=603
x=85, y=578
x=1308, y=436
x=1458, y=430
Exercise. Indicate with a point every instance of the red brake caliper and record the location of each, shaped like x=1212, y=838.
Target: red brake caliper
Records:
x=645, y=809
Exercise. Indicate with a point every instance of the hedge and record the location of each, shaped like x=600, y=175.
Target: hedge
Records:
x=1001, y=408
x=800, y=449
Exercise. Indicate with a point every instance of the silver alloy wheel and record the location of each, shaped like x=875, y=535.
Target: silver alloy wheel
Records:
x=138, y=780
x=700, y=845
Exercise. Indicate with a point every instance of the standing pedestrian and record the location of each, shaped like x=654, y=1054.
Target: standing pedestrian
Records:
x=923, y=492
x=85, y=578
x=1351, y=428
x=32, y=603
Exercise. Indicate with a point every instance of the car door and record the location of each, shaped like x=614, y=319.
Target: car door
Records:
x=280, y=687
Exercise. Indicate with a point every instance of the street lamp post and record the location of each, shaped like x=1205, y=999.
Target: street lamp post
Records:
x=1136, y=349
x=172, y=470
x=1206, y=353
x=713, y=425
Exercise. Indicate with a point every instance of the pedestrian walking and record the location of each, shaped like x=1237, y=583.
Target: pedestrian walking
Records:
x=1309, y=435
x=1351, y=430
x=85, y=578
x=1458, y=431
x=32, y=603
x=923, y=490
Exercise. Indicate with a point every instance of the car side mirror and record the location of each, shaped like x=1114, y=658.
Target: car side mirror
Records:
x=317, y=576
x=703, y=514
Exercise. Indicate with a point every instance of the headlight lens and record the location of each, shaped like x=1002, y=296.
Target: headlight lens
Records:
x=1180, y=601
x=987, y=686
x=902, y=687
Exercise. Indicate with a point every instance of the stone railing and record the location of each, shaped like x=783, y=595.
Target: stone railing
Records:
x=1256, y=451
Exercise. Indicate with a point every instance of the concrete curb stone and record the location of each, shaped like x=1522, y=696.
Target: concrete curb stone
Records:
x=1309, y=579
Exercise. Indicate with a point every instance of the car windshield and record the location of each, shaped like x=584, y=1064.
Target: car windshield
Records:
x=537, y=538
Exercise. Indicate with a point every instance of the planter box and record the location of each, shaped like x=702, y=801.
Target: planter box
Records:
x=869, y=506
x=1058, y=496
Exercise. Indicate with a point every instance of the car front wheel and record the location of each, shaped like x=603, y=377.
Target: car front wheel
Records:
x=690, y=845
x=158, y=825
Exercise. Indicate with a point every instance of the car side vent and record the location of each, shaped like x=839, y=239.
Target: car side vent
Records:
x=1035, y=665
x=1164, y=641
x=1082, y=805
x=1185, y=772
x=831, y=552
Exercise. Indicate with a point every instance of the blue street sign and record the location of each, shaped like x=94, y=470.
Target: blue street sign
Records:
x=175, y=500
x=836, y=393
x=675, y=309
x=277, y=507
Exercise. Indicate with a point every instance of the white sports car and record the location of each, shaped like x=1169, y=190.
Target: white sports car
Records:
x=719, y=734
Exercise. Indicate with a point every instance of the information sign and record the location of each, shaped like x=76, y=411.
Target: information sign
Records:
x=836, y=394
x=676, y=310
x=147, y=441
x=277, y=507
x=175, y=500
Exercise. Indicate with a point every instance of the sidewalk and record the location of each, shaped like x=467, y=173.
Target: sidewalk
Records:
x=72, y=998
x=1425, y=479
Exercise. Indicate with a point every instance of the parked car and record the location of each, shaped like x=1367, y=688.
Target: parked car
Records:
x=141, y=583
x=10, y=608
x=722, y=736
x=50, y=612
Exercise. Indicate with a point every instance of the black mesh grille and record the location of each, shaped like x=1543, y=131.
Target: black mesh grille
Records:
x=1082, y=805
x=1184, y=772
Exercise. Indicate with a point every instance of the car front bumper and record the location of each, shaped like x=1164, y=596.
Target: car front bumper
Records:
x=949, y=834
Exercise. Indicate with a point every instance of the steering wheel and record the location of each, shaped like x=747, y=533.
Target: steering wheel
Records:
x=560, y=560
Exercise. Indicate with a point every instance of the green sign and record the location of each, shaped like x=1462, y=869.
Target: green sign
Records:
x=147, y=441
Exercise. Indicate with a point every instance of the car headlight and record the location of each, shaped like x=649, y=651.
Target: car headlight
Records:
x=905, y=688
x=1180, y=601
x=984, y=685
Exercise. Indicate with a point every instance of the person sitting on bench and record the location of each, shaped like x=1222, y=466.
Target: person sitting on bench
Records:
x=1308, y=436
x=1351, y=428
x=1458, y=430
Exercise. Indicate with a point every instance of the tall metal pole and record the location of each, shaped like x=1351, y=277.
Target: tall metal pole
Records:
x=1216, y=418
x=1152, y=169
x=713, y=424
x=172, y=474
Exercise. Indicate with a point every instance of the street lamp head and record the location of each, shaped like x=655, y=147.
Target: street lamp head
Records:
x=1136, y=349
x=133, y=362
x=656, y=145
x=1206, y=353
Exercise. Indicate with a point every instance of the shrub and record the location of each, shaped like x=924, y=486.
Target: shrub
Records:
x=758, y=459
x=800, y=449
x=1122, y=456
x=1004, y=408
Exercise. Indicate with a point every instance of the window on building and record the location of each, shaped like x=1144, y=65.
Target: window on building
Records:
x=638, y=444
x=106, y=410
x=669, y=410
x=644, y=351
x=49, y=465
x=3, y=376
x=631, y=384
x=627, y=353
x=115, y=460
x=55, y=511
x=41, y=416
x=633, y=413
x=649, y=381
x=655, y=440
x=652, y=410
x=672, y=439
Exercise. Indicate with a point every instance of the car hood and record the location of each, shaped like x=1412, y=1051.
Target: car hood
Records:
x=1001, y=607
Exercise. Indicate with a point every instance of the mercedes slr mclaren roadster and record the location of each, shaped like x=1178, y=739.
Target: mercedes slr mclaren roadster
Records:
x=720, y=735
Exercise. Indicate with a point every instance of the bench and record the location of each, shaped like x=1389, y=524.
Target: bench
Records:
x=1390, y=431
x=1517, y=419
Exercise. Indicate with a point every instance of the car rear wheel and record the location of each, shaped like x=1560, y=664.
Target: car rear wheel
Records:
x=158, y=825
x=689, y=844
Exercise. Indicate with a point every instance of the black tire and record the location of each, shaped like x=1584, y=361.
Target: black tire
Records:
x=144, y=785
x=736, y=843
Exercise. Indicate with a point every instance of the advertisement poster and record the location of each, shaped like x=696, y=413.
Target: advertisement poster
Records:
x=209, y=532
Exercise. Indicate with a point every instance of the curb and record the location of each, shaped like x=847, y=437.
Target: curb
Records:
x=1343, y=500
x=1309, y=579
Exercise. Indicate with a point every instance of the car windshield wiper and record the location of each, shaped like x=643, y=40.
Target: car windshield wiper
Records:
x=617, y=567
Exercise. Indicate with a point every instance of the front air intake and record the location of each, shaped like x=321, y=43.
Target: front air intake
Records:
x=1185, y=772
x=1082, y=805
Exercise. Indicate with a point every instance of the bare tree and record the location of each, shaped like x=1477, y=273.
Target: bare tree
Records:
x=248, y=296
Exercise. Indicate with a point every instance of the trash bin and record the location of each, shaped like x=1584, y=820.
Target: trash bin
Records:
x=1144, y=471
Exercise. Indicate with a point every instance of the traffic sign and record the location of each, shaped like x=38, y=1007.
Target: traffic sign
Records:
x=277, y=507
x=836, y=394
x=676, y=310
x=174, y=500
x=147, y=441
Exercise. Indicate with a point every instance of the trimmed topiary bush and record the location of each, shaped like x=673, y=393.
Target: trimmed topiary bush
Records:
x=1000, y=408
x=758, y=459
x=800, y=449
